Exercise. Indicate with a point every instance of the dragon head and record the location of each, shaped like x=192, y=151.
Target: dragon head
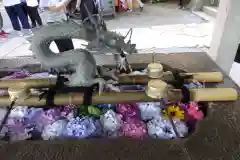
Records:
x=109, y=39
x=116, y=41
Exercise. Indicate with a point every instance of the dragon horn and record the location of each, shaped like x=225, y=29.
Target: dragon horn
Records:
x=93, y=21
x=130, y=37
x=103, y=24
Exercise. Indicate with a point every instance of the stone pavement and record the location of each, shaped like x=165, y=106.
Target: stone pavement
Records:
x=160, y=28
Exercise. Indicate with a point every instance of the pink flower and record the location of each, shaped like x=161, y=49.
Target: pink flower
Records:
x=134, y=128
x=128, y=110
x=194, y=111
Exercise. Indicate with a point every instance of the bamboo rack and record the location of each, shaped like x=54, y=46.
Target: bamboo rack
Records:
x=210, y=77
x=205, y=94
x=123, y=79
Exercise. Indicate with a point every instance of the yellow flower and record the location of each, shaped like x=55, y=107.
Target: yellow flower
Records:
x=173, y=111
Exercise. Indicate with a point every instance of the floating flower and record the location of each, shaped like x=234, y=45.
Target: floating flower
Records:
x=181, y=127
x=194, y=111
x=194, y=85
x=108, y=106
x=134, y=127
x=17, y=129
x=19, y=112
x=39, y=118
x=83, y=128
x=17, y=75
x=183, y=106
x=16, y=125
x=49, y=116
x=173, y=111
x=162, y=128
x=33, y=113
x=54, y=130
x=128, y=110
x=149, y=110
x=68, y=111
x=131, y=87
x=111, y=121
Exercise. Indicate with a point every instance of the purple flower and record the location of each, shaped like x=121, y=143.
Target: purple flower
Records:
x=39, y=118
x=194, y=85
x=111, y=121
x=131, y=87
x=161, y=128
x=134, y=128
x=106, y=106
x=149, y=110
x=17, y=75
x=67, y=111
x=19, y=112
x=54, y=130
x=82, y=128
x=128, y=110
x=16, y=125
x=52, y=114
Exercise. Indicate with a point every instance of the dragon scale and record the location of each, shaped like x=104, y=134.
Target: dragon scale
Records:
x=78, y=60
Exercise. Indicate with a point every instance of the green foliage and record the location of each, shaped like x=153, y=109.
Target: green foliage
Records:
x=90, y=111
x=94, y=111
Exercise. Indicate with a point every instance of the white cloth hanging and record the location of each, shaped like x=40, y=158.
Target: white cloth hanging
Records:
x=11, y=2
x=32, y=3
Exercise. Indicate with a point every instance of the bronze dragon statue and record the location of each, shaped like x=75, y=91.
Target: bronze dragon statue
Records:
x=81, y=62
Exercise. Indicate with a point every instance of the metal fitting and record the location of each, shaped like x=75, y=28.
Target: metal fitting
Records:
x=155, y=70
x=156, y=89
x=18, y=91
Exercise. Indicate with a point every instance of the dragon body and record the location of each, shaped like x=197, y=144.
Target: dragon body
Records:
x=79, y=61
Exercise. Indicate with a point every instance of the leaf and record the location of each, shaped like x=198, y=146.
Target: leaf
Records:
x=94, y=111
x=81, y=111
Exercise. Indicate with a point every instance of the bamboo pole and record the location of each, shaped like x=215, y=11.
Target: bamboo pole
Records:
x=210, y=77
x=205, y=94
x=31, y=83
x=216, y=94
x=123, y=79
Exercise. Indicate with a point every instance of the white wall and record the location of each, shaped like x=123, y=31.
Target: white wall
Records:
x=226, y=35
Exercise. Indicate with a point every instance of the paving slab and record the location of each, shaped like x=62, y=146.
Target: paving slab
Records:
x=11, y=45
x=148, y=27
